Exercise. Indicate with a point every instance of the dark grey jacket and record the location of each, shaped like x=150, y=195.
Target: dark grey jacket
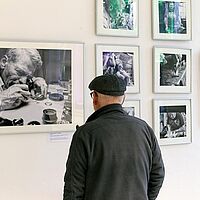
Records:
x=113, y=156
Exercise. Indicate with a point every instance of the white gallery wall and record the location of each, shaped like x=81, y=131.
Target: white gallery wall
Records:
x=32, y=166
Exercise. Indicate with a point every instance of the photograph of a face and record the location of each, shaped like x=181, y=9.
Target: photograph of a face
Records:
x=172, y=19
x=132, y=107
x=174, y=121
x=172, y=70
x=37, y=84
x=121, y=61
x=117, y=17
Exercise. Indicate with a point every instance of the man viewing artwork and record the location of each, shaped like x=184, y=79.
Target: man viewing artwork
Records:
x=113, y=156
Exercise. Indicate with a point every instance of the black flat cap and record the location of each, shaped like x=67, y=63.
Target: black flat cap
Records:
x=108, y=85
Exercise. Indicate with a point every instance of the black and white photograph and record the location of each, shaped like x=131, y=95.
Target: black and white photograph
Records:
x=121, y=61
x=37, y=86
x=132, y=107
x=120, y=64
x=172, y=20
x=173, y=123
x=172, y=70
x=117, y=17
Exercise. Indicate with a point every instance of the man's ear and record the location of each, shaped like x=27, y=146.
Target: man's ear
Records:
x=3, y=62
x=95, y=100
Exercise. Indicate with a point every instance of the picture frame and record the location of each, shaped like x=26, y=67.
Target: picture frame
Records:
x=121, y=60
x=117, y=18
x=172, y=121
x=172, y=19
x=53, y=100
x=132, y=107
x=172, y=70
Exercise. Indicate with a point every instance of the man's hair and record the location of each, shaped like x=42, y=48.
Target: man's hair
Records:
x=12, y=55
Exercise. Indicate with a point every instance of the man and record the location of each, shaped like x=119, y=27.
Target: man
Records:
x=113, y=156
x=109, y=63
x=175, y=120
x=172, y=18
x=175, y=124
x=169, y=64
x=120, y=72
x=17, y=81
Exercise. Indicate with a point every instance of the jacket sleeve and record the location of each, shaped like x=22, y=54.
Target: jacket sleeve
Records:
x=157, y=172
x=76, y=167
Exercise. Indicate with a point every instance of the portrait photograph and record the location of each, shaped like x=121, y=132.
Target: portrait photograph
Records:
x=132, y=107
x=39, y=87
x=172, y=121
x=172, y=70
x=117, y=17
x=122, y=61
x=172, y=19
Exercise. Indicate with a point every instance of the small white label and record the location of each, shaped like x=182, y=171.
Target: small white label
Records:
x=57, y=137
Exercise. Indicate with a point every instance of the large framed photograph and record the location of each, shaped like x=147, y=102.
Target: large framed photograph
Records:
x=120, y=60
x=172, y=70
x=40, y=89
x=172, y=121
x=132, y=107
x=172, y=19
x=117, y=18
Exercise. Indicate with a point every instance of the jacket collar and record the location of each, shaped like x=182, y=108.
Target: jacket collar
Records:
x=104, y=110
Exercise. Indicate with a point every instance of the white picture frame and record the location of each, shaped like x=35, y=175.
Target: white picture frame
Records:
x=126, y=56
x=172, y=19
x=60, y=64
x=172, y=70
x=117, y=18
x=132, y=107
x=173, y=121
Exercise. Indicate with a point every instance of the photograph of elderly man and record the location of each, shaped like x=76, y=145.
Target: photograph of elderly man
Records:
x=37, y=82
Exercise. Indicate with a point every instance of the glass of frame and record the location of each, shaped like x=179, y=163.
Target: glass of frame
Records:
x=172, y=121
x=117, y=17
x=172, y=70
x=120, y=60
x=172, y=19
x=132, y=107
x=56, y=66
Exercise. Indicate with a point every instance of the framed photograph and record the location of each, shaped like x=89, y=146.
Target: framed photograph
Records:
x=120, y=60
x=172, y=19
x=172, y=121
x=172, y=70
x=132, y=107
x=40, y=89
x=117, y=18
